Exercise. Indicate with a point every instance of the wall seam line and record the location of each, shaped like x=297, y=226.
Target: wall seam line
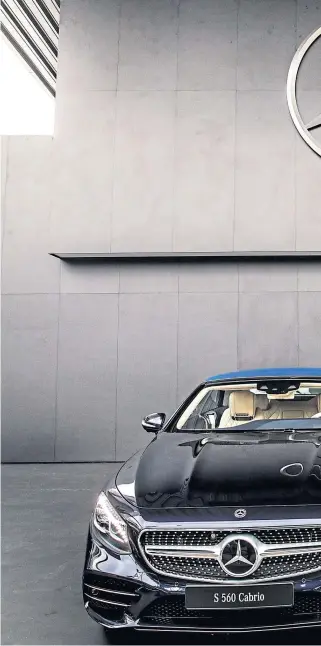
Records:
x=235, y=122
x=4, y=141
x=57, y=368
x=177, y=342
x=117, y=368
x=295, y=140
x=297, y=314
x=238, y=318
x=174, y=185
x=111, y=222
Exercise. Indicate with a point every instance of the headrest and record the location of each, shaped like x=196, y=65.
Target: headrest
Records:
x=261, y=401
x=289, y=395
x=241, y=403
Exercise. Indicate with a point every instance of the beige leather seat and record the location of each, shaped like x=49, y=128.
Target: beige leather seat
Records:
x=292, y=409
x=244, y=407
x=241, y=409
x=261, y=402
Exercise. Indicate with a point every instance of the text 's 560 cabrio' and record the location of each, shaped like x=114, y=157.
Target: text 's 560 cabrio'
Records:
x=216, y=525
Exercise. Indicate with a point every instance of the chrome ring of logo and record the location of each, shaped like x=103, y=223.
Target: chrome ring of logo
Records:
x=304, y=129
x=240, y=513
x=292, y=470
x=239, y=555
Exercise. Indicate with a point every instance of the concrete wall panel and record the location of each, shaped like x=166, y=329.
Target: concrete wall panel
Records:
x=148, y=45
x=207, y=45
x=208, y=277
x=147, y=364
x=207, y=339
x=86, y=382
x=144, y=166
x=95, y=277
x=83, y=159
x=264, y=189
x=29, y=364
x=308, y=181
x=158, y=278
x=204, y=187
x=310, y=328
x=308, y=19
x=88, y=45
x=266, y=43
x=27, y=267
x=268, y=330
x=309, y=277
x=4, y=159
x=268, y=277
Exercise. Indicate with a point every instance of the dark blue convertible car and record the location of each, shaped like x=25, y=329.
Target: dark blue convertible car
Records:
x=216, y=525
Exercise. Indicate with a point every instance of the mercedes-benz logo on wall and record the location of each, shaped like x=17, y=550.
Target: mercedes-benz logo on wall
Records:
x=239, y=556
x=305, y=129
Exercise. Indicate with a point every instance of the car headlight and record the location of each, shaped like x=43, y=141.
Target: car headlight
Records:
x=110, y=524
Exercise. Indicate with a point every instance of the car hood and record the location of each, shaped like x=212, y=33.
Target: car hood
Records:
x=248, y=468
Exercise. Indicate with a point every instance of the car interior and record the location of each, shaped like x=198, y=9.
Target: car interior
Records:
x=245, y=406
x=241, y=403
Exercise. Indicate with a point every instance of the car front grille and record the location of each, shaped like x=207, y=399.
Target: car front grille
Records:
x=171, y=611
x=178, y=553
x=278, y=535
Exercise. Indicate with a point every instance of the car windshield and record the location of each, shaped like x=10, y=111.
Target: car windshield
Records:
x=274, y=404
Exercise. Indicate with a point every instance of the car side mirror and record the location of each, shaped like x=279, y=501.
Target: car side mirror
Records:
x=154, y=422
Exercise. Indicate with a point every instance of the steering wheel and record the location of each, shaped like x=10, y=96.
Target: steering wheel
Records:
x=210, y=419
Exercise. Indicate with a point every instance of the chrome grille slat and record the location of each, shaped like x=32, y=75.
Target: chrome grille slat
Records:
x=107, y=602
x=192, y=554
x=122, y=593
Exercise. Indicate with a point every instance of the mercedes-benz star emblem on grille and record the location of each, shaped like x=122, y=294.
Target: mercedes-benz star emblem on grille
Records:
x=240, y=513
x=304, y=129
x=239, y=556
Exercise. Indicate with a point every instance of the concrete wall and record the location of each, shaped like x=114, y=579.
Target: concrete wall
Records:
x=172, y=133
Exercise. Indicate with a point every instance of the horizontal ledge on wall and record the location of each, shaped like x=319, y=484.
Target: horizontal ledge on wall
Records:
x=192, y=255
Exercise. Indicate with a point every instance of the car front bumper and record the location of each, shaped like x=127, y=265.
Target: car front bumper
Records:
x=119, y=592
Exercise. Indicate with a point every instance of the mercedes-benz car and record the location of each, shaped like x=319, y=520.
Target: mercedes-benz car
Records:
x=216, y=525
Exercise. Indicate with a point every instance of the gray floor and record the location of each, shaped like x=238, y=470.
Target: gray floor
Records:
x=45, y=512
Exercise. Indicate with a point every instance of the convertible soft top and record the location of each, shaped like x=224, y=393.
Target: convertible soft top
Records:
x=267, y=373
